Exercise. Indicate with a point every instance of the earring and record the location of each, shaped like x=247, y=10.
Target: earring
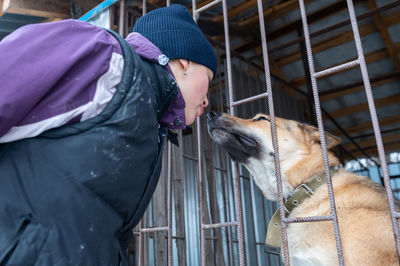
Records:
x=185, y=73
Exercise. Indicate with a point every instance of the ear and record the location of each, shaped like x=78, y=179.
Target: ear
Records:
x=184, y=63
x=331, y=140
x=313, y=132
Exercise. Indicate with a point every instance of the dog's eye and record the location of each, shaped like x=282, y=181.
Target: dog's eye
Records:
x=261, y=118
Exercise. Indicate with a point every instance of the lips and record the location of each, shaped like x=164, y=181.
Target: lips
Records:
x=201, y=110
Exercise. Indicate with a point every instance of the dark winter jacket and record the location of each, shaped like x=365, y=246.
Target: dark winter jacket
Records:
x=71, y=189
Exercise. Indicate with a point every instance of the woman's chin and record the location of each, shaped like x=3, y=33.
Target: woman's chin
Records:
x=194, y=117
x=191, y=118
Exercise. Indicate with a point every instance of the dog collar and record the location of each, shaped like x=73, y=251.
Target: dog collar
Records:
x=273, y=240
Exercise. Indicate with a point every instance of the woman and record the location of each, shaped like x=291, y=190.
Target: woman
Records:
x=83, y=119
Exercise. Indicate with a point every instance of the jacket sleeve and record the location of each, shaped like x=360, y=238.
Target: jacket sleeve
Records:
x=49, y=74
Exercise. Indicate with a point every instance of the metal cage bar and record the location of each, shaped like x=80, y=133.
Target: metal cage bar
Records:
x=122, y=17
x=250, y=99
x=273, y=131
x=197, y=11
x=318, y=112
x=336, y=69
x=168, y=228
x=236, y=177
x=374, y=118
x=144, y=7
x=199, y=173
x=169, y=204
x=239, y=222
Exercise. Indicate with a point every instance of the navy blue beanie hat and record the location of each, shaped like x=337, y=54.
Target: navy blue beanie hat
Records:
x=173, y=30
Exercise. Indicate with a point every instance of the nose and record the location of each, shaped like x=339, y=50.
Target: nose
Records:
x=213, y=115
x=205, y=102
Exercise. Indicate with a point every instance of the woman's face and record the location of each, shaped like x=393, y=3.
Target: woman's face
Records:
x=194, y=86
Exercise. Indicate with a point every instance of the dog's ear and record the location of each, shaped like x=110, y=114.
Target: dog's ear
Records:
x=313, y=132
x=331, y=140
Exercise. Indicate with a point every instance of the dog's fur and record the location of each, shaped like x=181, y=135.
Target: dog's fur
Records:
x=362, y=207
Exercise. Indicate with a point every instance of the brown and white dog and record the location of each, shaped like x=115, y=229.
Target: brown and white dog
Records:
x=362, y=208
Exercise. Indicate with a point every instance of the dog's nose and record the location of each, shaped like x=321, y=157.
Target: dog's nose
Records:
x=213, y=115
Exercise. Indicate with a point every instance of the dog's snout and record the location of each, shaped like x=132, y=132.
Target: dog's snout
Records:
x=213, y=115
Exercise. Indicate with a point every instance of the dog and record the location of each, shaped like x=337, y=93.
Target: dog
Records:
x=362, y=208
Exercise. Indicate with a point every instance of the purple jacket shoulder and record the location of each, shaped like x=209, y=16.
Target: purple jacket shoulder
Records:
x=52, y=74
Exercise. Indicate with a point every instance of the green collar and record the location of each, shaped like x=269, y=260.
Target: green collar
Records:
x=273, y=240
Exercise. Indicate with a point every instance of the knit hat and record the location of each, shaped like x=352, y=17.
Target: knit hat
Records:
x=173, y=30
